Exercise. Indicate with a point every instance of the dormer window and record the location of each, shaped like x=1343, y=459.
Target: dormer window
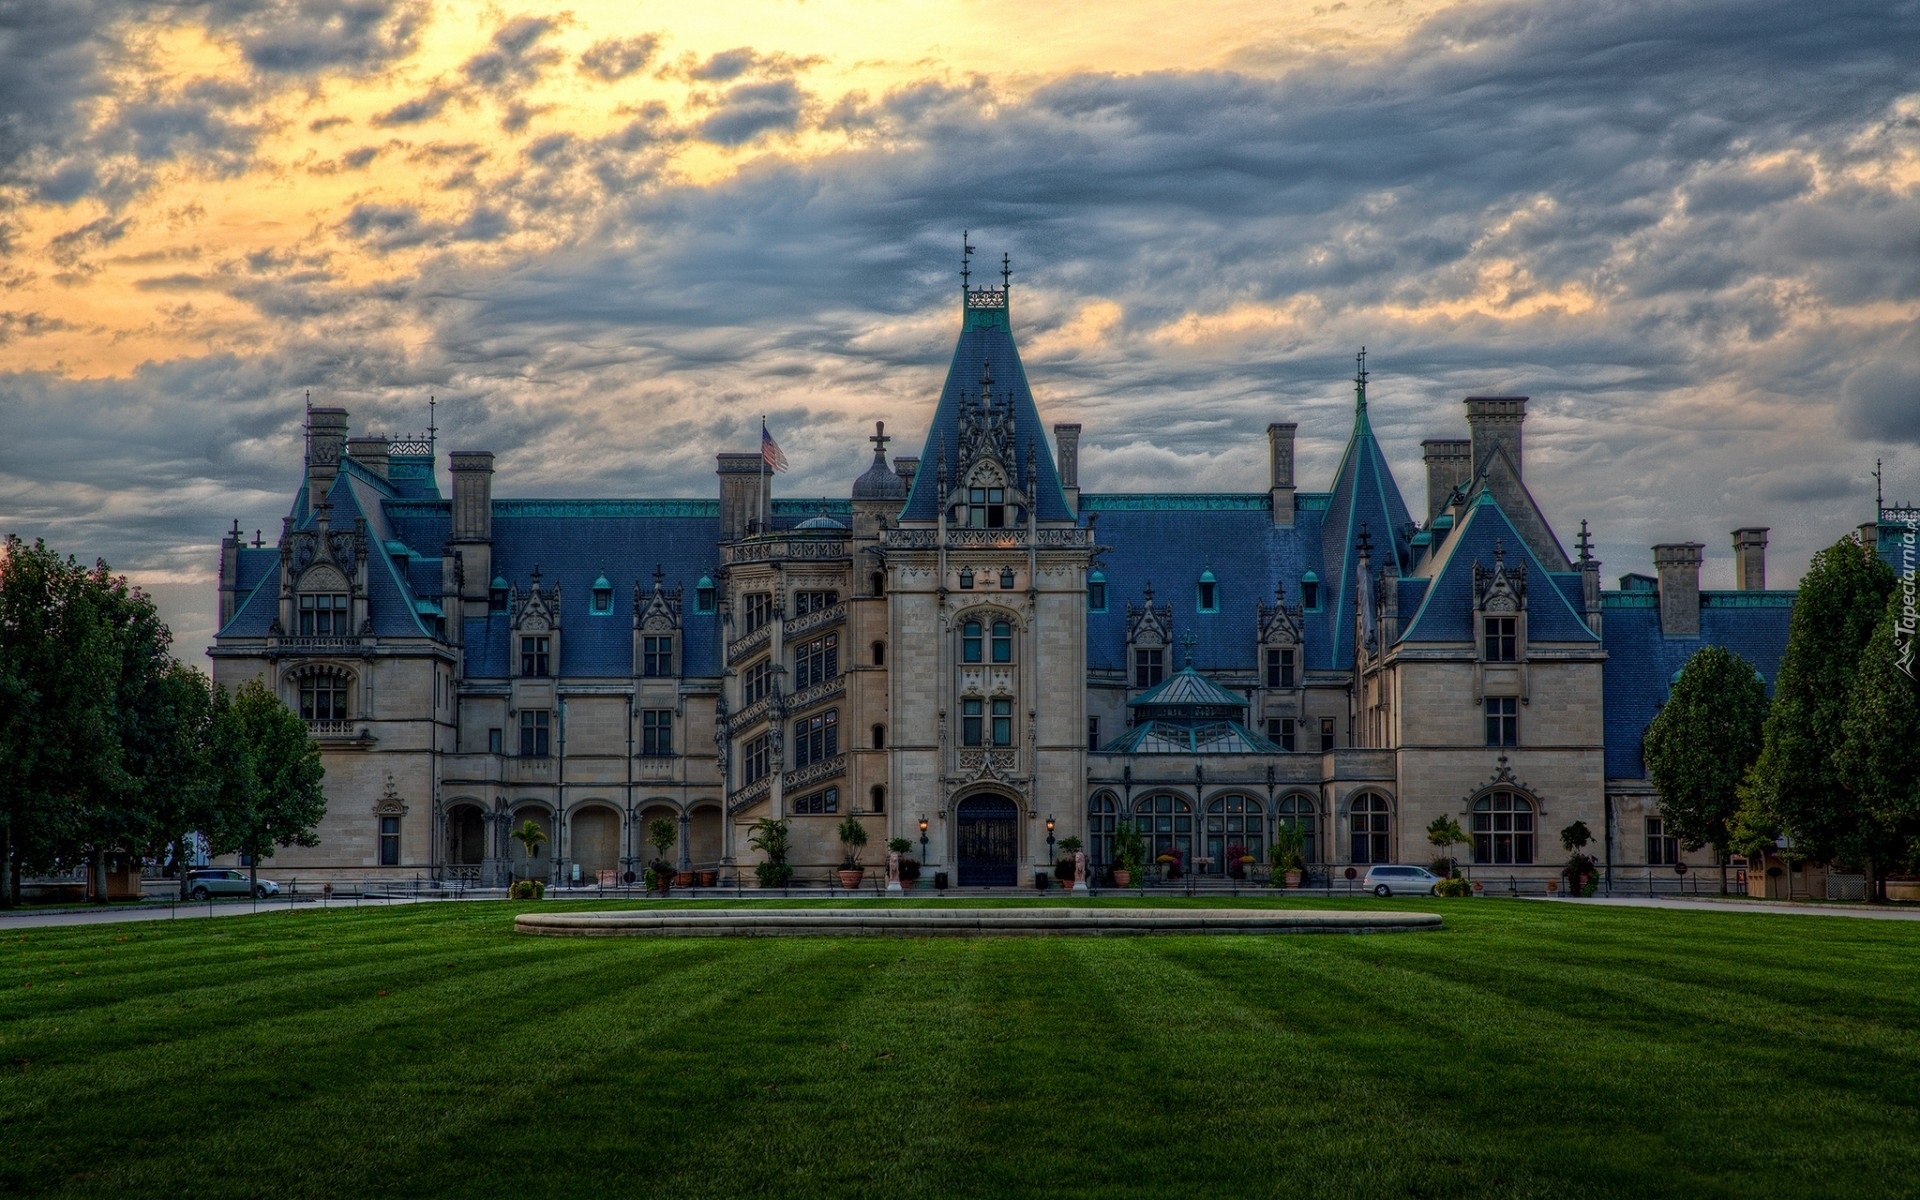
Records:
x=1096, y=592
x=1207, y=593
x=703, y=595
x=1310, y=592
x=966, y=578
x=497, y=595
x=1006, y=579
x=323, y=614
x=602, y=597
x=986, y=508
x=1501, y=639
x=535, y=656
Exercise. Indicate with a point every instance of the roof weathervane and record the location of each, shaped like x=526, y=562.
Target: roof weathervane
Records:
x=1360, y=379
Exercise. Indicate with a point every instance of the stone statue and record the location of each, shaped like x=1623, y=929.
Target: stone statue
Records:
x=1079, y=870
x=893, y=871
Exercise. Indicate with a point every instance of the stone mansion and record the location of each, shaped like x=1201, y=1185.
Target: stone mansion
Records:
x=969, y=652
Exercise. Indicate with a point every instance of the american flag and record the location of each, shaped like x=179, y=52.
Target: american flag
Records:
x=770, y=450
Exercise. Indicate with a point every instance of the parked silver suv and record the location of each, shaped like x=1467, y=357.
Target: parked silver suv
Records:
x=223, y=881
x=1386, y=880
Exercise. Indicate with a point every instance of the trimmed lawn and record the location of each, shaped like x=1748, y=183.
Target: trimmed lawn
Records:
x=1530, y=1049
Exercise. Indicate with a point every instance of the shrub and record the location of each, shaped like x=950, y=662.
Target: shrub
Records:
x=1455, y=887
x=527, y=889
x=772, y=875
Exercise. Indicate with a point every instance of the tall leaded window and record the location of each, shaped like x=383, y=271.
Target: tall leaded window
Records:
x=1093, y=735
x=1371, y=828
x=323, y=614
x=757, y=682
x=1297, y=812
x=656, y=656
x=1002, y=642
x=1166, y=825
x=1235, y=820
x=1503, y=829
x=1280, y=731
x=810, y=602
x=535, y=655
x=819, y=804
x=1662, y=851
x=1503, y=720
x=1280, y=666
x=656, y=732
x=1502, y=642
x=971, y=722
x=389, y=841
x=970, y=648
x=536, y=733
x=816, y=661
x=1102, y=812
x=1003, y=722
x=816, y=738
x=759, y=609
x=758, y=759
x=323, y=697
x=986, y=508
x=1149, y=666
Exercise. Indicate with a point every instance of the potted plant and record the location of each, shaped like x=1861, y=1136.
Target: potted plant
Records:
x=1063, y=869
x=1289, y=854
x=1445, y=833
x=853, y=835
x=1237, y=859
x=1129, y=852
x=662, y=833
x=771, y=838
x=1582, y=877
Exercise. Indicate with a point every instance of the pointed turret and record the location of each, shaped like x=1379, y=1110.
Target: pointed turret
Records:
x=1364, y=495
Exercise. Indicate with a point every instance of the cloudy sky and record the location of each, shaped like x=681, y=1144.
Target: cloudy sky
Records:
x=608, y=237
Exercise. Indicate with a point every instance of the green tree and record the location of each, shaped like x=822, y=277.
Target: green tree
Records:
x=1879, y=756
x=269, y=792
x=530, y=836
x=772, y=838
x=1794, y=789
x=1701, y=744
x=1445, y=833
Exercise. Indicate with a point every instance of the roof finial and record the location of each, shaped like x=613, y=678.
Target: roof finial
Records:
x=1360, y=380
x=1879, y=497
x=1364, y=541
x=1186, y=643
x=966, y=261
x=1499, y=554
x=1006, y=272
x=1586, y=543
x=432, y=429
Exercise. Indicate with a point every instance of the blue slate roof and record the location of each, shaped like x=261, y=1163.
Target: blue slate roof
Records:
x=986, y=338
x=1642, y=661
x=1363, y=494
x=1168, y=541
x=1446, y=611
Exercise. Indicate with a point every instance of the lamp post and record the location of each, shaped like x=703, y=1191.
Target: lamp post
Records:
x=924, y=864
x=1050, y=855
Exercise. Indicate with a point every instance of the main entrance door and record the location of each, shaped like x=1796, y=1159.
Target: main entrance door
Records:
x=988, y=841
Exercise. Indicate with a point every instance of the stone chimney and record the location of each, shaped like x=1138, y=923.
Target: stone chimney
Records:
x=1449, y=465
x=1280, y=470
x=1678, y=566
x=369, y=452
x=472, y=526
x=1750, y=559
x=1495, y=421
x=229, y=574
x=1066, y=440
x=740, y=493
x=326, y=434
x=905, y=468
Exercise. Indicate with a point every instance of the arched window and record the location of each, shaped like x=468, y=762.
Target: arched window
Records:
x=1298, y=812
x=497, y=595
x=970, y=642
x=1503, y=829
x=877, y=584
x=879, y=654
x=1206, y=596
x=966, y=578
x=1310, y=592
x=323, y=695
x=1006, y=579
x=1166, y=825
x=1371, y=826
x=1096, y=592
x=1002, y=642
x=1235, y=821
x=1102, y=811
x=878, y=795
x=703, y=595
x=879, y=737
x=602, y=597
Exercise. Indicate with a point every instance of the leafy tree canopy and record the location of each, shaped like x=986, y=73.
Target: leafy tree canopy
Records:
x=1702, y=743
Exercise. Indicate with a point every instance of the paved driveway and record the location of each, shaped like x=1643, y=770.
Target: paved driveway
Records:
x=183, y=911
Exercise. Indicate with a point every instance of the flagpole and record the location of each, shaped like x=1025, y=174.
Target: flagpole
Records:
x=765, y=517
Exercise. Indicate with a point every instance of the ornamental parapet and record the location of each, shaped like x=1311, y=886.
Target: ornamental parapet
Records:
x=986, y=539
x=750, y=794
x=830, y=689
x=819, y=772
x=810, y=549
x=336, y=733
x=282, y=646
x=751, y=715
x=808, y=622
x=740, y=647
